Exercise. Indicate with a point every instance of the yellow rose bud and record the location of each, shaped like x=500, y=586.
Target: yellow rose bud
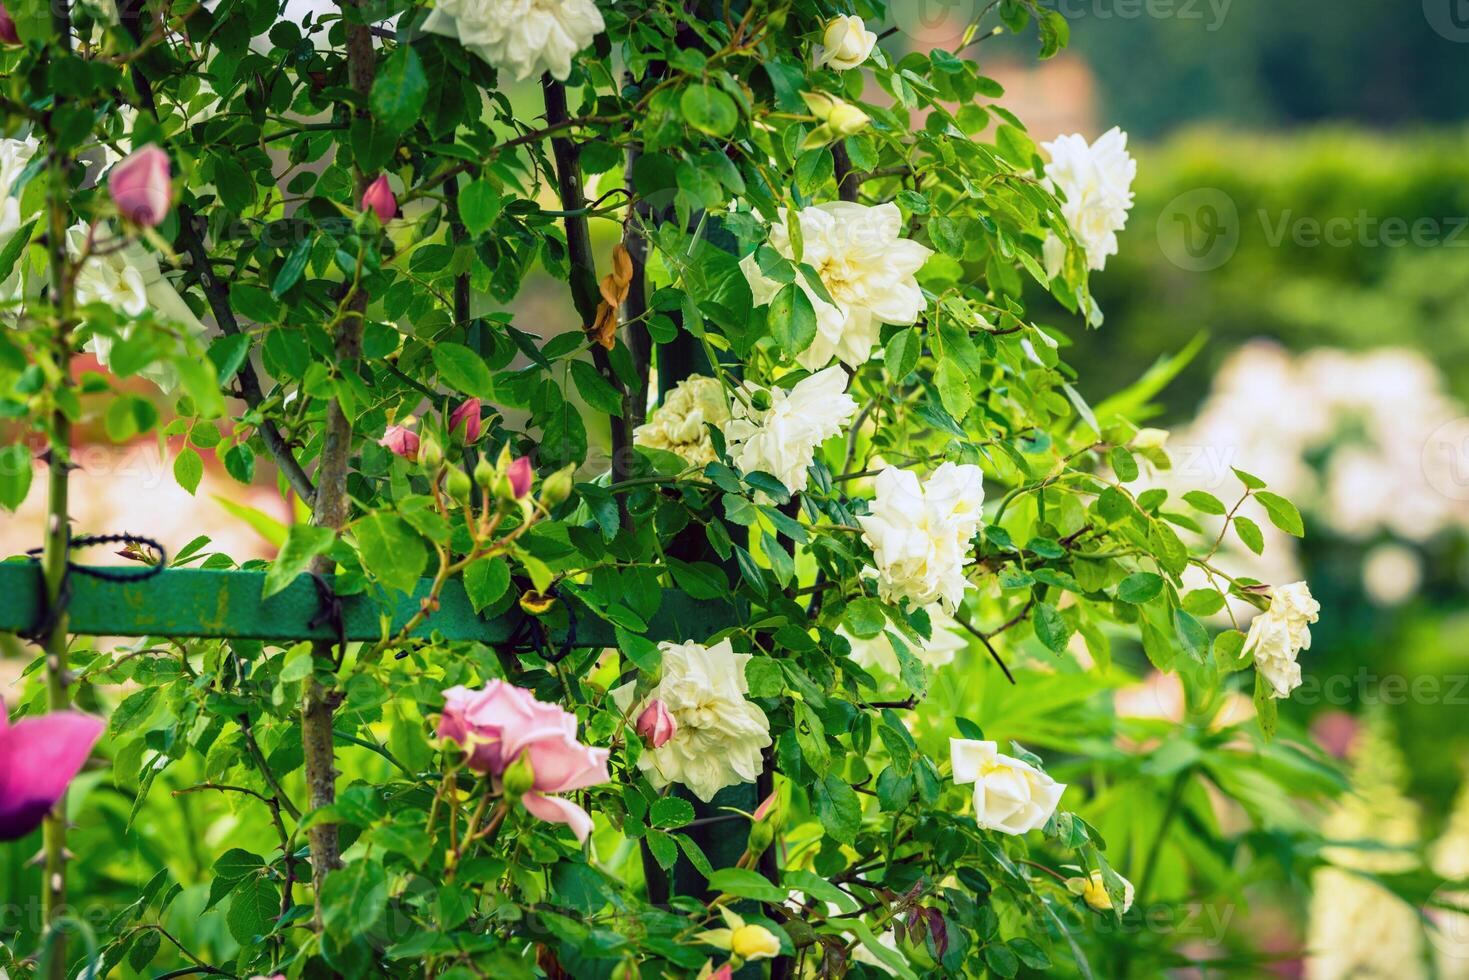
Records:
x=430, y=453
x=847, y=119
x=754, y=942
x=1094, y=893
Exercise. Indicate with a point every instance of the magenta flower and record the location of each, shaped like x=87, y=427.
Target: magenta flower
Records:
x=501, y=723
x=39, y=757
x=656, y=725
x=521, y=476
x=379, y=197
x=8, y=33
x=469, y=414
x=142, y=186
x=400, y=441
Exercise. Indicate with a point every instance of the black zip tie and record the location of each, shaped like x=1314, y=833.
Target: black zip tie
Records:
x=532, y=624
x=329, y=612
x=51, y=613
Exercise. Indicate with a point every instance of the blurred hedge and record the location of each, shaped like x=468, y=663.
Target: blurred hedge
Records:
x=1362, y=294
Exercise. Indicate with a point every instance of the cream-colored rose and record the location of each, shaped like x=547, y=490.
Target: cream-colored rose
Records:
x=920, y=534
x=520, y=37
x=130, y=280
x=1010, y=796
x=681, y=424
x=781, y=440
x=1097, y=181
x=845, y=43
x=719, y=733
x=878, y=654
x=15, y=155
x=868, y=269
x=1280, y=633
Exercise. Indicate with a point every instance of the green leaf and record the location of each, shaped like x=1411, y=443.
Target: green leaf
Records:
x=399, y=92
x=1250, y=481
x=746, y=884
x=391, y=550
x=1123, y=464
x=1283, y=513
x=865, y=618
x=188, y=469
x=479, y=206
x=1249, y=533
x=486, y=581
x=253, y=909
x=1229, y=648
x=1204, y=502
x=1267, y=708
x=1051, y=628
x=838, y=808
x=303, y=543
x=595, y=389
x=1140, y=587
x=709, y=110
x=15, y=475
x=901, y=355
x=670, y=811
x=792, y=319
x=462, y=369
x=354, y=898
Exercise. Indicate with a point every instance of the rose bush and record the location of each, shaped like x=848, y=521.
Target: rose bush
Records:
x=794, y=444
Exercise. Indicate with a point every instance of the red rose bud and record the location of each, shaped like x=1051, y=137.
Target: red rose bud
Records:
x=401, y=442
x=656, y=725
x=142, y=186
x=8, y=33
x=520, y=476
x=467, y=414
x=379, y=198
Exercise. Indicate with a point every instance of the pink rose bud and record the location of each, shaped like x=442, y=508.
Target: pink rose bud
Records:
x=521, y=476
x=400, y=441
x=8, y=33
x=766, y=805
x=142, y=186
x=656, y=725
x=40, y=757
x=469, y=415
x=379, y=197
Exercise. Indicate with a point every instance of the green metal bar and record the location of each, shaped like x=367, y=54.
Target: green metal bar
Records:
x=191, y=602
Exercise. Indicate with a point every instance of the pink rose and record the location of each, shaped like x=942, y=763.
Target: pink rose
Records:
x=655, y=724
x=521, y=476
x=400, y=441
x=500, y=723
x=8, y=33
x=379, y=198
x=469, y=415
x=39, y=757
x=142, y=186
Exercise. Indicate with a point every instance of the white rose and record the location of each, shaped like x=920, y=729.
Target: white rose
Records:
x=1010, y=796
x=845, y=43
x=866, y=267
x=782, y=439
x=1097, y=182
x=680, y=424
x=15, y=155
x=521, y=37
x=877, y=653
x=719, y=733
x=129, y=280
x=1280, y=633
x=920, y=535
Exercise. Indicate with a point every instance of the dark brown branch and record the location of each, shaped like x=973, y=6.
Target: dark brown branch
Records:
x=849, y=182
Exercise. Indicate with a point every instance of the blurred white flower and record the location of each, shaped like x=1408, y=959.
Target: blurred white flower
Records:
x=1280, y=633
x=719, y=732
x=867, y=268
x=1391, y=574
x=878, y=654
x=14, y=156
x=1097, y=181
x=681, y=424
x=920, y=534
x=129, y=280
x=1010, y=796
x=521, y=37
x=781, y=440
x=845, y=43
